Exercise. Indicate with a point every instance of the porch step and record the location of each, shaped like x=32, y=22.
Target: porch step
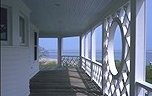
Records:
x=66, y=82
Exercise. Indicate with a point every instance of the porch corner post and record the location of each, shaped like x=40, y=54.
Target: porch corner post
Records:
x=132, y=47
x=60, y=51
x=137, y=46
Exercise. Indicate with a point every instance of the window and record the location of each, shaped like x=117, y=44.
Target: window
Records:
x=3, y=25
x=22, y=30
x=35, y=45
x=5, y=35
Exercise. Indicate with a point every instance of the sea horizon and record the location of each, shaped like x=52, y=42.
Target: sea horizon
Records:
x=53, y=54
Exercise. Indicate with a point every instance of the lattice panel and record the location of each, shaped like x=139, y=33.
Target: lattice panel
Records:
x=117, y=85
x=71, y=61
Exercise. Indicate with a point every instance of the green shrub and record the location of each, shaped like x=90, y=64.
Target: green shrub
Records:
x=118, y=63
x=149, y=74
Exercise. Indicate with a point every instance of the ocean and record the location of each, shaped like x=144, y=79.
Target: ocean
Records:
x=53, y=54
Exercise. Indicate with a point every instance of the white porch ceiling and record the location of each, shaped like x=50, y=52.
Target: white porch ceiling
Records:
x=65, y=17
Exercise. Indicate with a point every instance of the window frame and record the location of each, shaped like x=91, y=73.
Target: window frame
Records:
x=23, y=39
x=8, y=40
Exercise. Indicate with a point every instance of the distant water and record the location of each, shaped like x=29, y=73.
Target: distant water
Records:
x=53, y=54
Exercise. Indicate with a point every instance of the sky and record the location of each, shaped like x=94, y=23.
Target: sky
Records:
x=72, y=43
x=149, y=25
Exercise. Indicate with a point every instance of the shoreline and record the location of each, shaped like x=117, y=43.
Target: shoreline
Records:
x=47, y=60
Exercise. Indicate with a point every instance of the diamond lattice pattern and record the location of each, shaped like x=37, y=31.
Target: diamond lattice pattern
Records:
x=117, y=86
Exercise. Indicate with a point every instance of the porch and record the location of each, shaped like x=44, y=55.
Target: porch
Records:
x=24, y=21
x=79, y=76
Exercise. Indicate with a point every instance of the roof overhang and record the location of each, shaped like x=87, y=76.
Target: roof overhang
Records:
x=65, y=18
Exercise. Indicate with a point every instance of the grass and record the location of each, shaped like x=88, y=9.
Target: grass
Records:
x=48, y=66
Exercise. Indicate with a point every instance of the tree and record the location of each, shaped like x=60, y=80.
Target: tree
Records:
x=43, y=53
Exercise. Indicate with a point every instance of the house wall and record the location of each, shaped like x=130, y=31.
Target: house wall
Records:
x=17, y=61
x=34, y=65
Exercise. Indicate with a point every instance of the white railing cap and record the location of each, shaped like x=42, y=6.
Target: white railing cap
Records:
x=144, y=85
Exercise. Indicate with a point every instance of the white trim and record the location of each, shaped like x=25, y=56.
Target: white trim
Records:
x=137, y=49
x=144, y=85
x=93, y=45
x=26, y=32
x=82, y=45
x=15, y=46
x=86, y=46
x=140, y=43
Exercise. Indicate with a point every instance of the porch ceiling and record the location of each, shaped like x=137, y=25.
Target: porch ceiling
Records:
x=65, y=17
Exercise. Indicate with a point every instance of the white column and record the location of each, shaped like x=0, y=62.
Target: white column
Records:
x=137, y=49
x=93, y=46
x=92, y=49
x=82, y=38
x=59, y=50
x=140, y=44
x=86, y=46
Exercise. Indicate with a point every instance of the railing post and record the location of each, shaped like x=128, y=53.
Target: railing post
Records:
x=91, y=70
x=60, y=51
x=85, y=65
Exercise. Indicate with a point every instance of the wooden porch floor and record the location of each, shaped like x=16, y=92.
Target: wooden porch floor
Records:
x=63, y=82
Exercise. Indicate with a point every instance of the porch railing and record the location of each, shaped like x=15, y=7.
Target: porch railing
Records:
x=146, y=86
x=94, y=70
x=70, y=61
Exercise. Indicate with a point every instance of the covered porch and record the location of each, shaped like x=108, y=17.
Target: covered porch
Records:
x=79, y=75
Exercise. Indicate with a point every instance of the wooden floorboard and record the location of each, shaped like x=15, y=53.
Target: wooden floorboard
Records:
x=63, y=82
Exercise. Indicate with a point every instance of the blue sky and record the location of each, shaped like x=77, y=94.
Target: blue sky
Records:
x=72, y=43
x=149, y=25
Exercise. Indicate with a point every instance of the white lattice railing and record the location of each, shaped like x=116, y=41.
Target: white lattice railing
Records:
x=70, y=61
x=115, y=82
x=144, y=85
x=95, y=71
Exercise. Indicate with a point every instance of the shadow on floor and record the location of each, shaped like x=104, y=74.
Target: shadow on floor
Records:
x=63, y=82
